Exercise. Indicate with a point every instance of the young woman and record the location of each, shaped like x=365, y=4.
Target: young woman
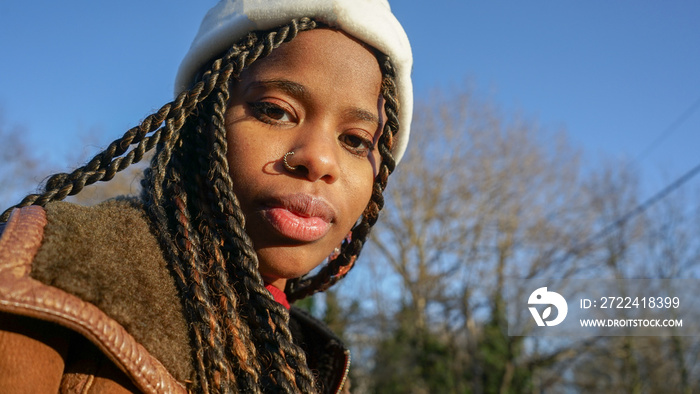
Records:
x=273, y=157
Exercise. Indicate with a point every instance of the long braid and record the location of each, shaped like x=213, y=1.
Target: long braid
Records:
x=212, y=156
x=267, y=310
x=167, y=191
x=339, y=266
x=271, y=323
x=104, y=165
x=271, y=318
x=226, y=255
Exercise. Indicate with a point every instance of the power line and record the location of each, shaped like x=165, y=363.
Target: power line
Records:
x=651, y=200
x=672, y=128
x=675, y=125
x=634, y=212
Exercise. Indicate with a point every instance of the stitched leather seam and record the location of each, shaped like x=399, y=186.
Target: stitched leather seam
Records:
x=23, y=295
x=21, y=239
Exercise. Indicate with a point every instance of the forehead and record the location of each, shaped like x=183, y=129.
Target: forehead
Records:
x=327, y=56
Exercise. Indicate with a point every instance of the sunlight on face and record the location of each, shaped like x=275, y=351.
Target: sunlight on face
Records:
x=318, y=96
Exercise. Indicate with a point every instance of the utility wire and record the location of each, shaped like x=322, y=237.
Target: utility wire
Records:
x=662, y=136
x=675, y=125
x=653, y=199
x=629, y=215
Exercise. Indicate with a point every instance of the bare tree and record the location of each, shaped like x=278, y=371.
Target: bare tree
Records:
x=21, y=164
x=661, y=242
x=479, y=197
x=25, y=166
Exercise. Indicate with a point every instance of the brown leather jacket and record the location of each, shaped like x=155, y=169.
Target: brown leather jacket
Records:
x=119, y=328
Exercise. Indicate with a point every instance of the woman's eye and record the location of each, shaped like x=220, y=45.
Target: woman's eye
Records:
x=357, y=145
x=270, y=113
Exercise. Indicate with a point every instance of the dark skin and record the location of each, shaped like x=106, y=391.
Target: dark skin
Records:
x=318, y=96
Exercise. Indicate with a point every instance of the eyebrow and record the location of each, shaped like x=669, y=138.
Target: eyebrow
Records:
x=298, y=90
x=289, y=87
x=363, y=115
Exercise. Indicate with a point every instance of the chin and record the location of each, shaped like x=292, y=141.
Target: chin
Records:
x=285, y=263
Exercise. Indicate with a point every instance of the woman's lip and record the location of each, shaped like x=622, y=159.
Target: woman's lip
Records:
x=301, y=217
x=291, y=225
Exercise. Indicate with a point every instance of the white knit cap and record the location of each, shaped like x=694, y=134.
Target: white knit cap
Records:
x=370, y=21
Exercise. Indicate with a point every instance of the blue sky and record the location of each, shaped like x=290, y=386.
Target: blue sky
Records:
x=615, y=75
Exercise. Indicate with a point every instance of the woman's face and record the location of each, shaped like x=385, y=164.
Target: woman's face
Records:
x=319, y=97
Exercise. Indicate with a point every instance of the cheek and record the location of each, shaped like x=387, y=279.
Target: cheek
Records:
x=250, y=142
x=237, y=157
x=246, y=152
x=360, y=193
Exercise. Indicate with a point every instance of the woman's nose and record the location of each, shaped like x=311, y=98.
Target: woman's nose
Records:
x=314, y=156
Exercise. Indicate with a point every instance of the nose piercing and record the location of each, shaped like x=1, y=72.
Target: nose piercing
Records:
x=286, y=164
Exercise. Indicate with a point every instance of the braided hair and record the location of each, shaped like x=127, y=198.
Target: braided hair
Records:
x=241, y=335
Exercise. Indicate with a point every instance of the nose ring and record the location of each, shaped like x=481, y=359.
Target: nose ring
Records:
x=286, y=164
